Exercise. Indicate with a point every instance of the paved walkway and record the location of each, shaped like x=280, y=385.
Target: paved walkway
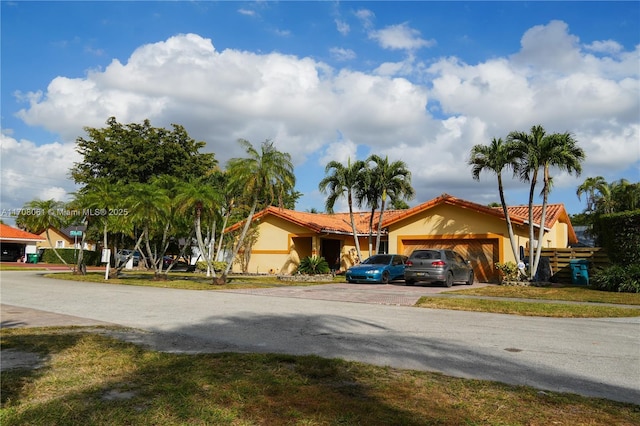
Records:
x=395, y=294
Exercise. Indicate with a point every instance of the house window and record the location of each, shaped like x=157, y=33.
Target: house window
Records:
x=60, y=244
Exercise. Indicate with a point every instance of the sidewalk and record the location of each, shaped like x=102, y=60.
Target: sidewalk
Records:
x=46, y=266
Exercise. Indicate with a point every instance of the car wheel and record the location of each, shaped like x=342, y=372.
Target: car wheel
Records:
x=470, y=280
x=409, y=282
x=449, y=281
x=385, y=278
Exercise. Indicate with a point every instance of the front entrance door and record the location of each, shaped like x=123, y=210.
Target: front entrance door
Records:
x=330, y=250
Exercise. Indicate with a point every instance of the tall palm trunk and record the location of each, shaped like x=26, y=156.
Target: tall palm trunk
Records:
x=353, y=227
x=373, y=213
x=505, y=211
x=206, y=253
x=545, y=193
x=383, y=200
x=532, y=271
x=236, y=247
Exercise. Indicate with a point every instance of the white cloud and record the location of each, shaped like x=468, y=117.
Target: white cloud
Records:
x=366, y=17
x=341, y=54
x=342, y=27
x=606, y=46
x=32, y=172
x=400, y=37
x=247, y=12
x=220, y=96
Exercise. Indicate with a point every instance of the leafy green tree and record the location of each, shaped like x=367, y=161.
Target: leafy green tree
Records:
x=265, y=174
x=343, y=181
x=539, y=152
x=495, y=158
x=127, y=153
x=37, y=216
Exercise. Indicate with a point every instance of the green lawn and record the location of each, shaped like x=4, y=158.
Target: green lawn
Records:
x=89, y=378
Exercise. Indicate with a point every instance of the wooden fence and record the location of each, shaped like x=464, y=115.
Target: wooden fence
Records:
x=559, y=259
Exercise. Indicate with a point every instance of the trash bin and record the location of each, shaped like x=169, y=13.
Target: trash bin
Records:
x=32, y=258
x=579, y=271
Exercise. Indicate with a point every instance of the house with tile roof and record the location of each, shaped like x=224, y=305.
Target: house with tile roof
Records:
x=15, y=243
x=476, y=231
x=68, y=237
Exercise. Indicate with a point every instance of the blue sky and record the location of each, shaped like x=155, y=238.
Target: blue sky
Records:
x=421, y=82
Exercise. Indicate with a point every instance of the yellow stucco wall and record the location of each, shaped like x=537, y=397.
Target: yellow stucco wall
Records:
x=276, y=250
x=56, y=236
x=453, y=221
x=281, y=244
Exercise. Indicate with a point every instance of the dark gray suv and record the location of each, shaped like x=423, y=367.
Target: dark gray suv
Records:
x=437, y=265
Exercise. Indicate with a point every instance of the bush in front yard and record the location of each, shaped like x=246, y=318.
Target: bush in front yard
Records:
x=201, y=265
x=313, y=265
x=617, y=278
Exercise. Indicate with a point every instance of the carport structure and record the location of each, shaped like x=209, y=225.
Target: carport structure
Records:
x=15, y=243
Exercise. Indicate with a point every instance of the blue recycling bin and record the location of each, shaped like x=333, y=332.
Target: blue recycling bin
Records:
x=579, y=271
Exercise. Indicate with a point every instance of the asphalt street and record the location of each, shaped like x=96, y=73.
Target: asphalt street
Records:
x=592, y=357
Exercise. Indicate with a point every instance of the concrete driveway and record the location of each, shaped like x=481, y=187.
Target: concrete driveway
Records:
x=593, y=357
x=395, y=293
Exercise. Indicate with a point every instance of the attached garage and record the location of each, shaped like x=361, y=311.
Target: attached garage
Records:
x=482, y=251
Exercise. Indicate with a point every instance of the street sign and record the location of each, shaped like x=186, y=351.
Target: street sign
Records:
x=76, y=233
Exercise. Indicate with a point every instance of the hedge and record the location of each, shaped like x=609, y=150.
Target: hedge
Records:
x=91, y=258
x=619, y=234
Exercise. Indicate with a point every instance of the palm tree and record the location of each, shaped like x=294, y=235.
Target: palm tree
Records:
x=368, y=191
x=46, y=214
x=591, y=187
x=263, y=175
x=99, y=196
x=541, y=151
x=626, y=195
x=202, y=200
x=393, y=180
x=496, y=157
x=342, y=182
x=150, y=206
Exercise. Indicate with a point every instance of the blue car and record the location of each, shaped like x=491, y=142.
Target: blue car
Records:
x=379, y=268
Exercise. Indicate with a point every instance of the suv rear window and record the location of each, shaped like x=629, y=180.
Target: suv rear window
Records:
x=426, y=254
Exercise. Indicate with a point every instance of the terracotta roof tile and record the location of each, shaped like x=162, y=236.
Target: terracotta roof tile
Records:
x=9, y=233
x=341, y=222
x=554, y=211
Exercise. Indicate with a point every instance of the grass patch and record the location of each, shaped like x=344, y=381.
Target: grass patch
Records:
x=568, y=293
x=93, y=379
x=540, y=309
x=186, y=280
x=20, y=268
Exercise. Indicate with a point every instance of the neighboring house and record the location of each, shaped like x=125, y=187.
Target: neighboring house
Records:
x=69, y=237
x=15, y=243
x=477, y=232
x=585, y=239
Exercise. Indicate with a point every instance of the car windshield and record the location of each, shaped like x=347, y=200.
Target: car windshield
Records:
x=377, y=260
x=427, y=254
